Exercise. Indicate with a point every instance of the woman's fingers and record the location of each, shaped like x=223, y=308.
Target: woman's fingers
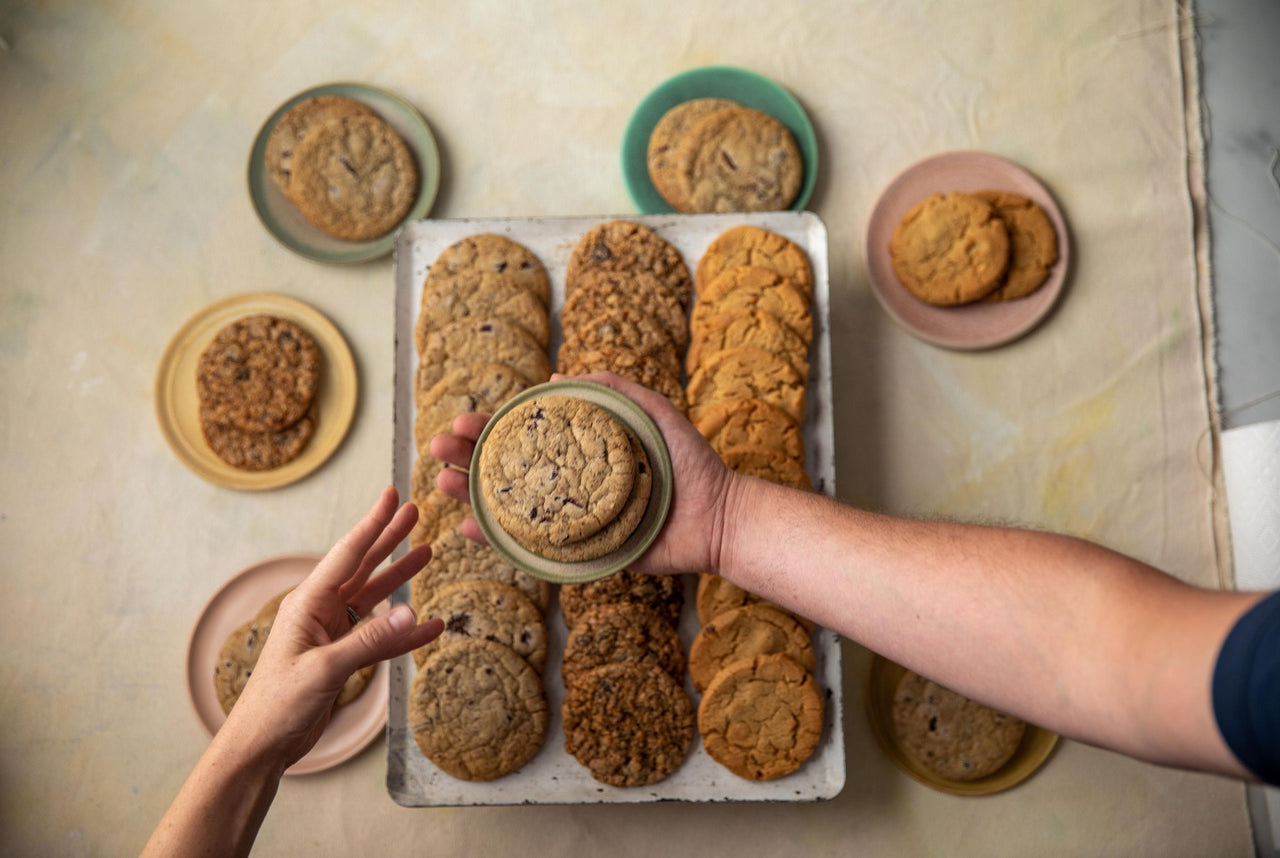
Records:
x=393, y=534
x=349, y=551
x=382, y=585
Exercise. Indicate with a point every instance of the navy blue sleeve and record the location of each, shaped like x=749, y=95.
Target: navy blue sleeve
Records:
x=1246, y=689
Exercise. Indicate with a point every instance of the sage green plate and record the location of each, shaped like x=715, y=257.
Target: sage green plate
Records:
x=745, y=87
x=283, y=219
x=655, y=515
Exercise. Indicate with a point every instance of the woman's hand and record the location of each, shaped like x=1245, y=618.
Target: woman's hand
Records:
x=691, y=539
x=312, y=648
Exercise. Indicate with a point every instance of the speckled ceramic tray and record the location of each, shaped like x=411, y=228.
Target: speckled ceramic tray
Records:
x=552, y=776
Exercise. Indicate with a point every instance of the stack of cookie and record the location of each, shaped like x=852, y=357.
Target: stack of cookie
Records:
x=748, y=372
x=564, y=478
x=958, y=248
x=257, y=383
x=239, y=656
x=627, y=290
x=949, y=734
x=715, y=155
x=477, y=705
x=627, y=717
x=343, y=166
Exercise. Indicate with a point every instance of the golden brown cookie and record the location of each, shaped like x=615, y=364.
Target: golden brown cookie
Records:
x=715, y=595
x=950, y=734
x=663, y=153
x=621, y=327
x=469, y=341
x=477, y=710
x=747, y=373
x=739, y=159
x=950, y=249
x=761, y=717
x=556, y=469
x=469, y=264
x=739, y=633
x=354, y=177
x=767, y=464
x=486, y=610
x=292, y=127
x=626, y=246
x=749, y=245
x=495, y=298
x=616, y=533
x=661, y=593
x=1033, y=244
x=751, y=422
x=753, y=328
x=438, y=514
x=600, y=292
x=608, y=634
x=630, y=364
x=629, y=723
x=258, y=451
x=454, y=557
x=752, y=288
x=467, y=389
x=260, y=373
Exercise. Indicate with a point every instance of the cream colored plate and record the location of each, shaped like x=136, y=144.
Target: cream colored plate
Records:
x=655, y=514
x=178, y=403
x=352, y=727
x=882, y=681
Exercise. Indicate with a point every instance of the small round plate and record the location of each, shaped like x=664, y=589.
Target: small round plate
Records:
x=970, y=327
x=748, y=89
x=655, y=515
x=352, y=727
x=283, y=219
x=178, y=403
x=1031, y=754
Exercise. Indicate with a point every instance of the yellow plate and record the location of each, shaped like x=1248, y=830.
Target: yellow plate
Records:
x=178, y=404
x=882, y=682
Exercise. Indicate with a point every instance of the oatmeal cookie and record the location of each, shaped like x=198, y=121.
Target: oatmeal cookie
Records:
x=260, y=373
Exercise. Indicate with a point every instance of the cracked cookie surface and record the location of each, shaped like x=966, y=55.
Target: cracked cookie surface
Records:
x=556, y=469
x=755, y=288
x=751, y=245
x=950, y=734
x=470, y=341
x=487, y=610
x=950, y=249
x=739, y=159
x=454, y=557
x=293, y=125
x=752, y=422
x=626, y=246
x=747, y=373
x=720, y=329
x=1033, y=244
x=662, y=156
x=260, y=373
x=746, y=632
x=643, y=369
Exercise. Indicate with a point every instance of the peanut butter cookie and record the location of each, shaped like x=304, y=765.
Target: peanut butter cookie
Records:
x=950, y=249
x=753, y=288
x=1033, y=244
x=753, y=423
x=477, y=710
x=715, y=595
x=761, y=717
x=753, y=328
x=739, y=633
x=354, y=177
x=767, y=464
x=747, y=373
x=757, y=247
x=738, y=159
x=950, y=734
x=629, y=723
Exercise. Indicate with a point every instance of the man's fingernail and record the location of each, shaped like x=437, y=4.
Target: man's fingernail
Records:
x=402, y=618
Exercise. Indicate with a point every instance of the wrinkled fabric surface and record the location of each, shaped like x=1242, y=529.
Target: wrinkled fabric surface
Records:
x=123, y=157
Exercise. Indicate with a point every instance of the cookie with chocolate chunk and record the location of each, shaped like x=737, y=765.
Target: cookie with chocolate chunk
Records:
x=472, y=341
x=486, y=610
x=739, y=160
x=950, y=734
x=260, y=373
x=294, y=124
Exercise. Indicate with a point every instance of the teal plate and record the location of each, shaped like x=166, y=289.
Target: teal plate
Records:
x=655, y=515
x=283, y=219
x=748, y=89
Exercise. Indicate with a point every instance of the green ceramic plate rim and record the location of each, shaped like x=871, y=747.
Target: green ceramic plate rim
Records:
x=743, y=86
x=655, y=516
x=419, y=139
x=1033, y=751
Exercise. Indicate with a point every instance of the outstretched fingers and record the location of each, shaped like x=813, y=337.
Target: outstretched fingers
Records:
x=349, y=552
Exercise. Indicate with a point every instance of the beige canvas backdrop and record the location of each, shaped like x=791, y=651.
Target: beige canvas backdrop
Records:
x=122, y=155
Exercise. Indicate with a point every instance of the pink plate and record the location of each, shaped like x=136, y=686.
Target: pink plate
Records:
x=353, y=726
x=972, y=326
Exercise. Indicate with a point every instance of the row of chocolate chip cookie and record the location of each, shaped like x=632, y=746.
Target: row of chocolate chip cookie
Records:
x=627, y=291
x=477, y=706
x=627, y=716
x=257, y=382
x=748, y=369
x=343, y=166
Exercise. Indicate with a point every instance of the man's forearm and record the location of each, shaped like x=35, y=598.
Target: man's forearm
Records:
x=1064, y=633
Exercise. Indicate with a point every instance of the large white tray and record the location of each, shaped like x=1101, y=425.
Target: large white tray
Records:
x=554, y=777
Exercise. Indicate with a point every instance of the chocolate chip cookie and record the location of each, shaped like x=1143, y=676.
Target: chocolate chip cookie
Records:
x=467, y=265
x=487, y=610
x=739, y=159
x=556, y=469
x=258, y=451
x=643, y=369
x=454, y=557
x=293, y=125
x=663, y=152
x=477, y=710
x=466, y=389
x=471, y=341
x=950, y=734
